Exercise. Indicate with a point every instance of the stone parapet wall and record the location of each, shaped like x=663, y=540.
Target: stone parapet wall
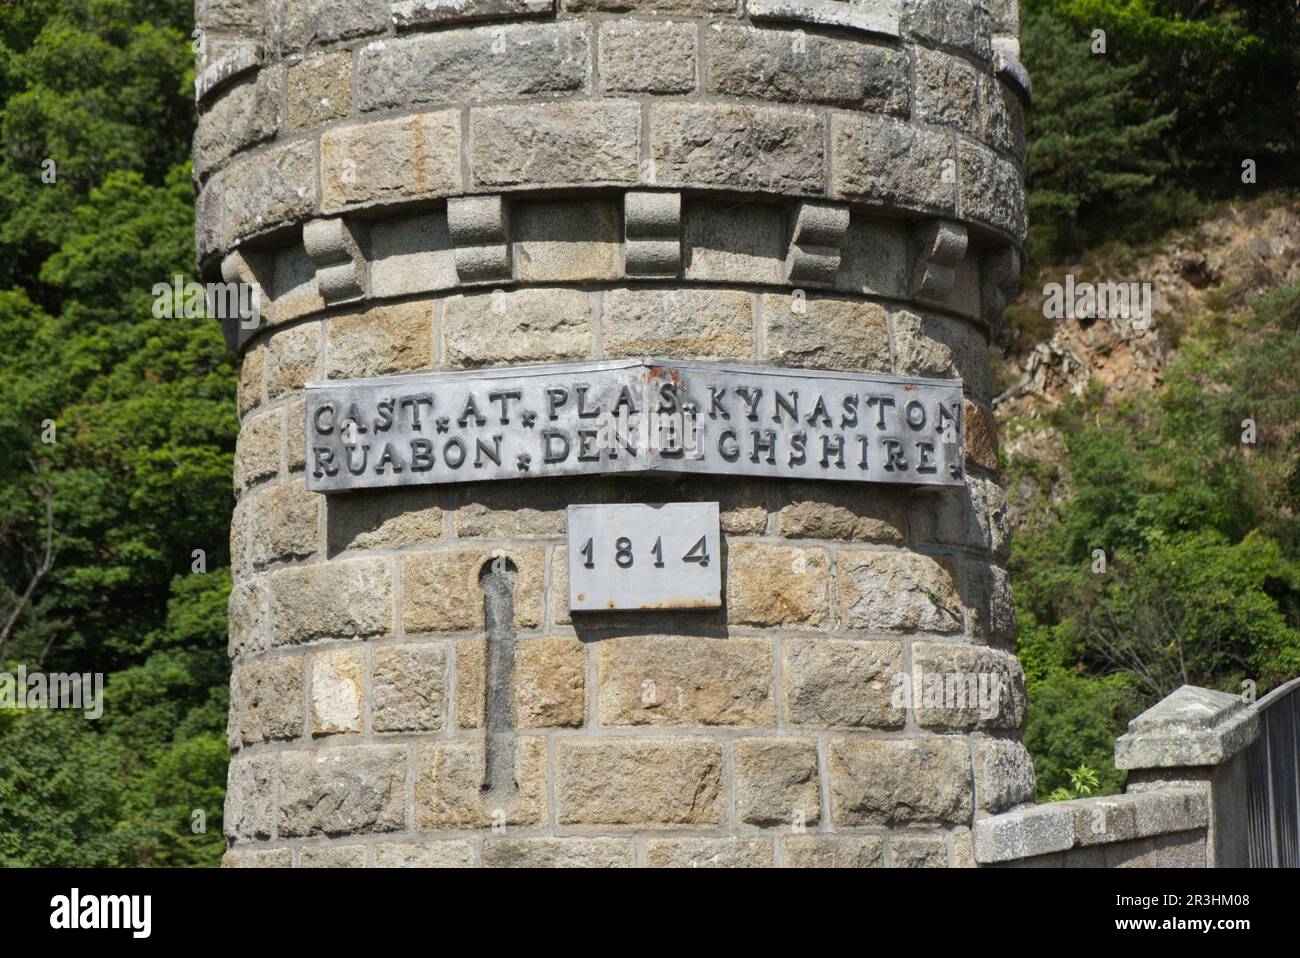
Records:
x=494, y=183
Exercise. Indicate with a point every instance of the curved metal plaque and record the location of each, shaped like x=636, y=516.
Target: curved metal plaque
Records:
x=632, y=416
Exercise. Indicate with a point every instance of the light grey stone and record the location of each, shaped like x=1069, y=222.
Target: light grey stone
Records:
x=1038, y=830
x=418, y=13
x=652, y=224
x=737, y=146
x=733, y=243
x=478, y=228
x=883, y=161
x=1191, y=726
x=342, y=791
x=790, y=66
x=411, y=255
x=815, y=242
x=476, y=65
x=647, y=56
x=555, y=143
x=334, y=247
x=1004, y=773
x=872, y=16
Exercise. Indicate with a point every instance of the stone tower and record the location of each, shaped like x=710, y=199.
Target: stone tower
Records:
x=439, y=192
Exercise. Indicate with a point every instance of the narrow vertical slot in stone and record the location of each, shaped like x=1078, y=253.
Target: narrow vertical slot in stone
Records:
x=497, y=579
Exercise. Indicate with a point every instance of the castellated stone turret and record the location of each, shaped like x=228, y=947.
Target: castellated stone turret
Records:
x=441, y=192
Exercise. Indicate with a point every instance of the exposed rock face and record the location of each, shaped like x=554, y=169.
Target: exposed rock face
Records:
x=493, y=183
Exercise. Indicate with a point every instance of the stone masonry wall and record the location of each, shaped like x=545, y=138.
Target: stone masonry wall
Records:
x=434, y=185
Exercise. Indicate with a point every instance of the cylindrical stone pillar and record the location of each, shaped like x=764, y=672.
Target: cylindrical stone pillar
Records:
x=438, y=187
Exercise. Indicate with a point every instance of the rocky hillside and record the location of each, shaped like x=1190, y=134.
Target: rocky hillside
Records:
x=1211, y=271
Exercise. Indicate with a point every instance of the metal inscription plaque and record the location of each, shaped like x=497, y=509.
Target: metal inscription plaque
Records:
x=632, y=416
x=644, y=556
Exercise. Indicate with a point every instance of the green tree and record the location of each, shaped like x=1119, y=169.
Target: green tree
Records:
x=137, y=482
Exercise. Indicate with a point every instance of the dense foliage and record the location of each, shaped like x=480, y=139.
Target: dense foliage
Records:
x=1127, y=142
x=137, y=476
x=1199, y=533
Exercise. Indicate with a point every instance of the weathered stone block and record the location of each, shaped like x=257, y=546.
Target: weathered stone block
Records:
x=641, y=782
x=441, y=592
x=1036, y=830
x=976, y=516
x=941, y=348
x=548, y=683
x=410, y=13
x=258, y=858
x=875, y=259
x=834, y=851
x=733, y=243
x=251, y=377
x=709, y=853
x=342, y=791
x=883, y=161
x=822, y=332
x=267, y=699
x=1003, y=117
x=449, y=780
x=247, y=113
x=897, y=592
x=683, y=323
x=250, y=618
x=517, y=327
x=408, y=688
x=281, y=523
x=967, y=686
x=449, y=854
x=338, y=681
x=339, y=599
x=292, y=358
x=828, y=510
x=738, y=147
x=395, y=338
x=554, y=143
x=918, y=853
x=385, y=518
x=992, y=190
x=319, y=90
x=566, y=241
x=836, y=683
x=411, y=255
x=777, y=782
x=297, y=24
x=250, y=803
x=671, y=680
x=269, y=189
x=1004, y=774
x=295, y=453
x=777, y=585
x=257, y=448
x=235, y=16
x=639, y=56
x=333, y=856
x=475, y=65
x=559, y=852
x=966, y=27
x=786, y=65
x=899, y=781
x=390, y=161
x=947, y=91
